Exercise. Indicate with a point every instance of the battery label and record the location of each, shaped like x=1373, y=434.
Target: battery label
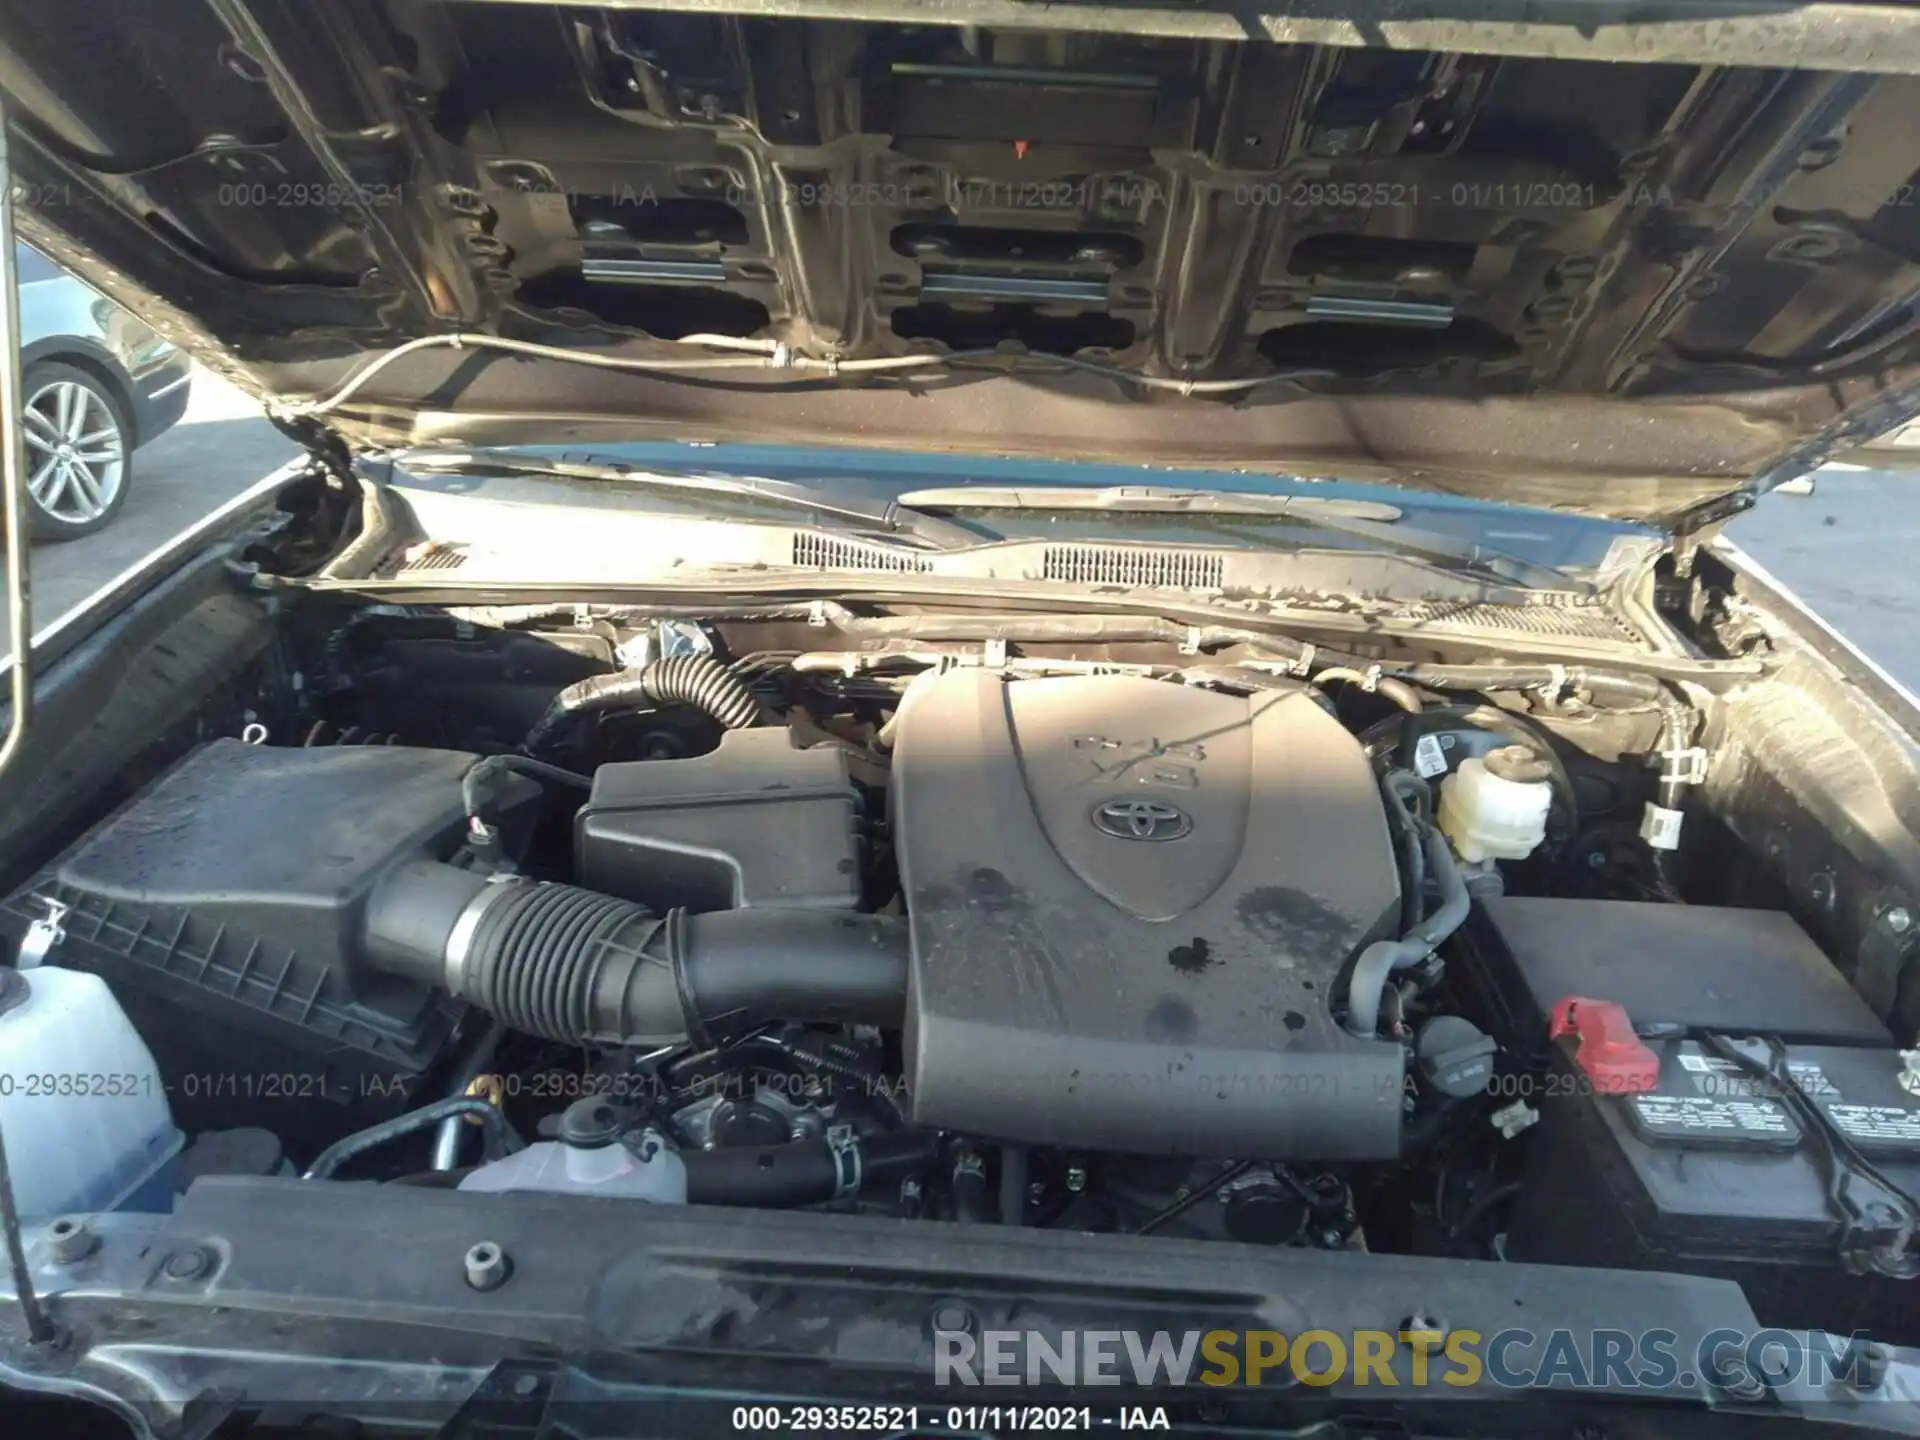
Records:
x=1882, y=1128
x=1702, y=1117
x=1885, y=1123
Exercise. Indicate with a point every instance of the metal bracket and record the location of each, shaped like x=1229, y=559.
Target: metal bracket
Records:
x=513, y=1402
x=42, y=935
x=1685, y=767
x=681, y=637
x=636, y=652
x=1882, y=956
x=1511, y=1119
x=1556, y=687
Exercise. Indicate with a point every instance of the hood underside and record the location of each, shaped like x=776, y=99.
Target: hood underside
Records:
x=1621, y=260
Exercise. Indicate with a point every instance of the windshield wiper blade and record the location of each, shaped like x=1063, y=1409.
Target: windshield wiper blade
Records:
x=1370, y=520
x=890, y=516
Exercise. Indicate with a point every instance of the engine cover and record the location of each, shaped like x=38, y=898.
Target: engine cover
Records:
x=1131, y=902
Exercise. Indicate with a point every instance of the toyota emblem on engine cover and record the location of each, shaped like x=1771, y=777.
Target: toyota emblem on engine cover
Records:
x=1141, y=820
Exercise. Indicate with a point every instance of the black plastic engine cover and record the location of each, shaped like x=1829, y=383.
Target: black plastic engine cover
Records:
x=1130, y=903
x=754, y=823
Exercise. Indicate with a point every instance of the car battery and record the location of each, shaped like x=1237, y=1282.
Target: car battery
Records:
x=1710, y=1171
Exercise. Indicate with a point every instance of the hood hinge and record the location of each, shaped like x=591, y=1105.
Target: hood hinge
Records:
x=324, y=445
x=1698, y=526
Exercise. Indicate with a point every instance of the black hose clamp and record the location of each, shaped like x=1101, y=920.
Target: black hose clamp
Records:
x=844, y=1147
x=675, y=925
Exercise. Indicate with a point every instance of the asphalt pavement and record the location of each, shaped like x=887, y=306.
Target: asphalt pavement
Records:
x=1849, y=552
x=220, y=447
x=1848, y=548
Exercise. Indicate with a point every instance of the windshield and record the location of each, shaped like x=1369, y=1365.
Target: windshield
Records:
x=1569, y=543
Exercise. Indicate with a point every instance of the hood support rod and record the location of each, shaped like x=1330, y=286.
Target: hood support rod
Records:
x=13, y=470
x=13, y=461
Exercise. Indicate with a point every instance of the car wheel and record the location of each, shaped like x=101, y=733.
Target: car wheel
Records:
x=79, y=450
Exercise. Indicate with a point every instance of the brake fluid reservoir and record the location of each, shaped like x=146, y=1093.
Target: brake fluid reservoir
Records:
x=82, y=1105
x=1494, y=807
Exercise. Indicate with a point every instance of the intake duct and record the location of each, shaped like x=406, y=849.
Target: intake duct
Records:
x=697, y=680
x=584, y=968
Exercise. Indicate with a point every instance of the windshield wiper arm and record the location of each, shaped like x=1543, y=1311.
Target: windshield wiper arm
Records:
x=888, y=515
x=1369, y=520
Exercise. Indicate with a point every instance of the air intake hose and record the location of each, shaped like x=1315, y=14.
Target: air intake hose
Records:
x=584, y=968
x=697, y=680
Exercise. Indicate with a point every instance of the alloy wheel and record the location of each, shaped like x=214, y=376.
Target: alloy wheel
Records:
x=76, y=453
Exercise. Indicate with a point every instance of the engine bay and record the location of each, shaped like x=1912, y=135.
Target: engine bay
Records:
x=1101, y=937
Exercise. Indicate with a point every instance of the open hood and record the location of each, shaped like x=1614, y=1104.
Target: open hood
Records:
x=1641, y=261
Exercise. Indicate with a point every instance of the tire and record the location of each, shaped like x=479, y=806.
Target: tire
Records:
x=79, y=450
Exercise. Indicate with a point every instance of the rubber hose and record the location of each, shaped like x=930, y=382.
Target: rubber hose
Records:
x=378, y=530
x=1380, y=959
x=1402, y=694
x=1676, y=729
x=559, y=962
x=704, y=683
x=446, y=1140
x=1419, y=1133
x=479, y=797
x=502, y=1138
x=583, y=968
x=741, y=968
x=1412, y=792
x=697, y=680
x=476, y=786
x=1454, y=900
x=803, y=1172
x=972, y=1205
x=1013, y=1184
x=1398, y=691
x=1413, y=862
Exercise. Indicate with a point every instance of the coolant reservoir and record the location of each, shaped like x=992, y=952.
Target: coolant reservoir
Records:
x=592, y=1157
x=1494, y=807
x=82, y=1106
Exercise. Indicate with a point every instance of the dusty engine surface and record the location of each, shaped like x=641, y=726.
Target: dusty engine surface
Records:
x=1130, y=903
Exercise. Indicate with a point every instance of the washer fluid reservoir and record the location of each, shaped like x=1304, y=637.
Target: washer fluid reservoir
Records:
x=82, y=1105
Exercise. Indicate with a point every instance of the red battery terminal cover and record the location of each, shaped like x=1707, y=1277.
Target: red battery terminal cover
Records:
x=1606, y=1050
